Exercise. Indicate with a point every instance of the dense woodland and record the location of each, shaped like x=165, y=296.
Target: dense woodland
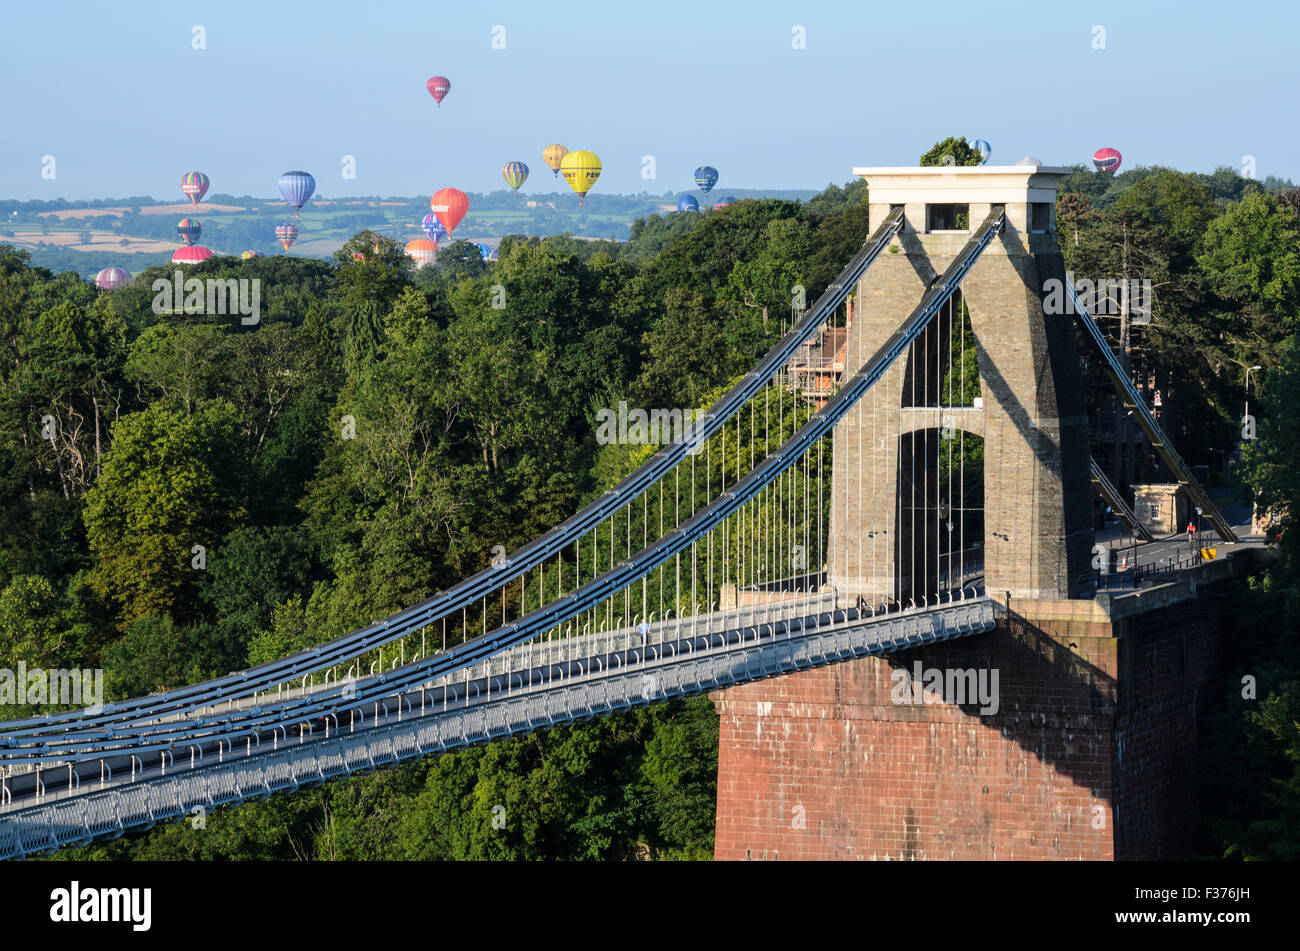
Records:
x=474, y=428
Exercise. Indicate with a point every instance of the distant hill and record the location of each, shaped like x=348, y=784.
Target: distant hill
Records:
x=140, y=231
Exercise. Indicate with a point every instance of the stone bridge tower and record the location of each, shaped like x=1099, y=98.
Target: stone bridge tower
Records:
x=1037, y=524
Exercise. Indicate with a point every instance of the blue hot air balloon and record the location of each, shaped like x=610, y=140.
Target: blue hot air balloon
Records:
x=484, y=249
x=296, y=188
x=983, y=148
x=433, y=228
x=688, y=203
x=706, y=176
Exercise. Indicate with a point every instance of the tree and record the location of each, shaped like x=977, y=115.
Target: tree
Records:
x=171, y=481
x=955, y=148
x=1252, y=253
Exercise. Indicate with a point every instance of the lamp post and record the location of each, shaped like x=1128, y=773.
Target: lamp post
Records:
x=1248, y=369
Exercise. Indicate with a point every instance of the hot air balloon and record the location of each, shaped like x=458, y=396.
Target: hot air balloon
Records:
x=194, y=185
x=286, y=234
x=580, y=169
x=438, y=87
x=422, y=252
x=484, y=249
x=983, y=148
x=358, y=256
x=296, y=188
x=688, y=203
x=724, y=201
x=515, y=174
x=189, y=229
x=706, y=176
x=433, y=228
x=191, y=255
x=1107, y=160
x=249, y=255
x=554, y=155
x=111, y=278
x=450, y=205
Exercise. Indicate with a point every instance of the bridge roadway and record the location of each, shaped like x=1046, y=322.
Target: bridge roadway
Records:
x=598, y=676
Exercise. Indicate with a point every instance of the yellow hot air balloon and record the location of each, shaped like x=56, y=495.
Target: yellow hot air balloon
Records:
x=580, y=170
x=554, y=154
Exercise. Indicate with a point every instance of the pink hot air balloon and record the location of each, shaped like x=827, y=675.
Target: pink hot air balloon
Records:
x=191, y=255
x=438, y=88
x=1107, y=160
x=111, y=278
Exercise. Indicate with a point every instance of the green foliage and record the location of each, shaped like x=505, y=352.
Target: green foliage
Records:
x=954, y=150
x=171, y=481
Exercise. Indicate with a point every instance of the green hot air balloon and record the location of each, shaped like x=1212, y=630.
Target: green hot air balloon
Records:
x=515, y=174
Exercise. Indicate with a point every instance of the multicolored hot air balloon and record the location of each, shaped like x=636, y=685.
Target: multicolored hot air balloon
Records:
x=249, y=255
x=438, y=87
x=688, y=203
x=286, y=233
x=296, y=188
x=706, y=176
x=191, y=255
x=433, y=228
x=724, y=201
x=422, y=252
x=554, y=155
x=111, y=278
x=1107, y=160
x=983, y=148
x=515, y=174
x=580, y=170
x=195, y=186
x=189, y=229
x=450, y=205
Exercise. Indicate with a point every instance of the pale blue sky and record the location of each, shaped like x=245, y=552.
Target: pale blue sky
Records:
x=115, y=92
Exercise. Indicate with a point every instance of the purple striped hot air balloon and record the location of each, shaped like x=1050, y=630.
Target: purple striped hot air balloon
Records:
x=296, y=188
x=111, y=278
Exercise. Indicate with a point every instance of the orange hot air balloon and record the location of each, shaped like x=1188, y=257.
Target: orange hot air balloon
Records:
x=422, y=251
x=554, y=155
x=450, y=205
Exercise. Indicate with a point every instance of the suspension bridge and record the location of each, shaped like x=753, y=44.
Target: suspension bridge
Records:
x=939, y=472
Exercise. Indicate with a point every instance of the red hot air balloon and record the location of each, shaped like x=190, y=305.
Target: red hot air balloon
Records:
x=438, y=88
x=1107, y=160
x=450, y=205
